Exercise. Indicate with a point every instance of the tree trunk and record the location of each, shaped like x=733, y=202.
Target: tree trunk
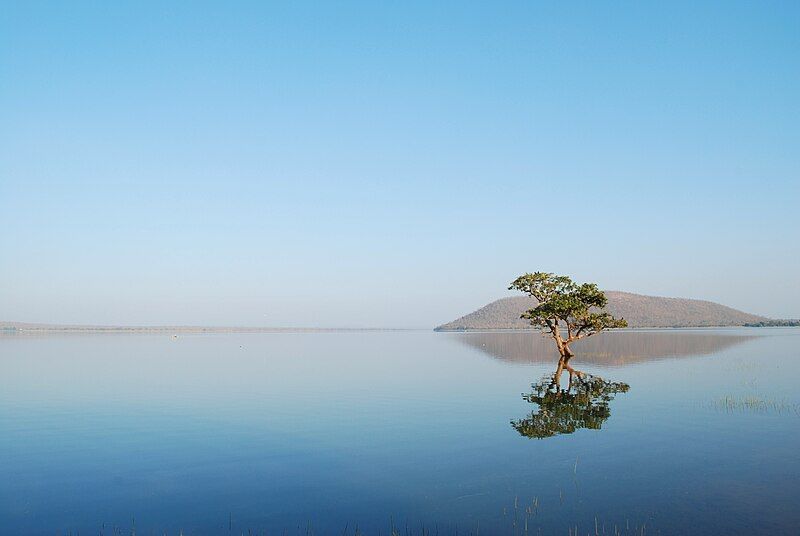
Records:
x=563, y=363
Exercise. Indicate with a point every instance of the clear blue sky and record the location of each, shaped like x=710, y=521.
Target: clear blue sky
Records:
x=392, y=164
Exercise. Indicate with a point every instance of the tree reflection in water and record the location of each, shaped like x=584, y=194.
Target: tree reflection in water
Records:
x=583, y=404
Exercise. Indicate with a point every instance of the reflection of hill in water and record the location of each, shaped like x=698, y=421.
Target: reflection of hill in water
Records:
x=612, y=348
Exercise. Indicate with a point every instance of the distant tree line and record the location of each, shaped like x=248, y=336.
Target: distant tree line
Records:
x=788, y=323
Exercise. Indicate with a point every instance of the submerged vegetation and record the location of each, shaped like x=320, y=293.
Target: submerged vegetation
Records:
x=755, y=404
x=519, y=519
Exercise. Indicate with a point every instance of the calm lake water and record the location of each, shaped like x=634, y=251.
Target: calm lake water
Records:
x=320, y=433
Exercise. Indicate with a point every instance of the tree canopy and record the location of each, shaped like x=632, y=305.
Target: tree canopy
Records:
x=567, y=310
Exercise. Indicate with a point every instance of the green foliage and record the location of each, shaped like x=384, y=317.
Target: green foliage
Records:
x=566, y=304
x=773, y=323
x=564, y=412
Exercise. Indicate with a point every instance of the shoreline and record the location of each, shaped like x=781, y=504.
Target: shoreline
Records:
x=21, y=329
x=10, y=328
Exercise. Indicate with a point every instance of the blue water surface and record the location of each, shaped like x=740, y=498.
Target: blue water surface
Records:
x=329, y=433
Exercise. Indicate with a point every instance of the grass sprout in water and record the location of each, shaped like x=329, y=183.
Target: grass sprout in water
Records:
x=755, y=404
x=518, y=520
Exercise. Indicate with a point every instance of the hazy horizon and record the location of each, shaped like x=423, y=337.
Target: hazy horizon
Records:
x=365, y=165
x=636, y=312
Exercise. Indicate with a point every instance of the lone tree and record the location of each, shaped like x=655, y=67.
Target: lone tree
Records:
x=567, y=311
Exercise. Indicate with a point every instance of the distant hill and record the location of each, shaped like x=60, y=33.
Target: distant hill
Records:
x=640, y=311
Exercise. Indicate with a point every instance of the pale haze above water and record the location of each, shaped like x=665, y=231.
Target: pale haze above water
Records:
x=391, y=165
